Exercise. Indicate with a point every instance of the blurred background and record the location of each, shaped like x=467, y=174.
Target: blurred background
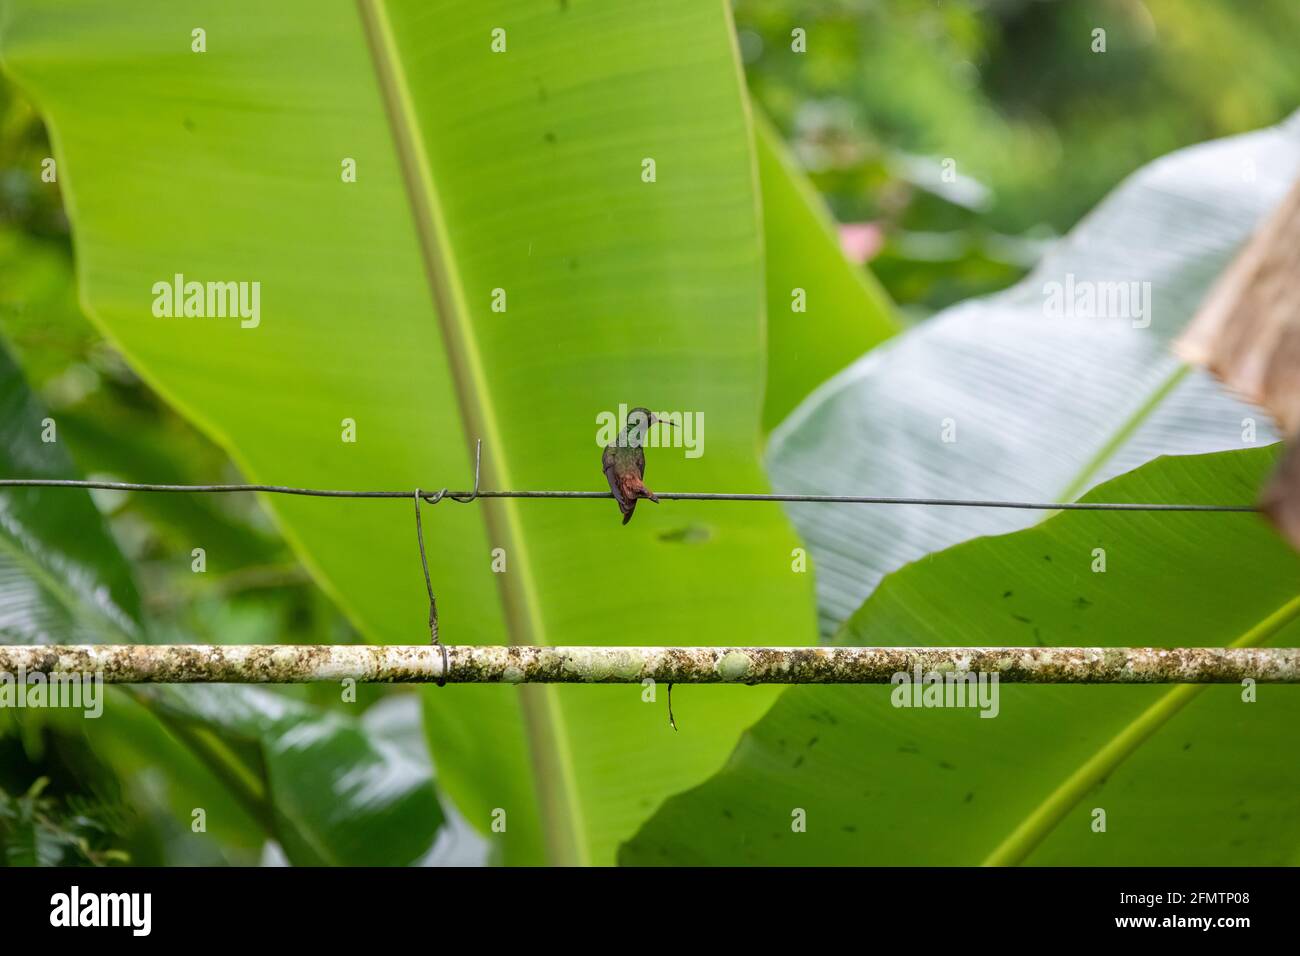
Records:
x=1036, y=134
x=1038, y=127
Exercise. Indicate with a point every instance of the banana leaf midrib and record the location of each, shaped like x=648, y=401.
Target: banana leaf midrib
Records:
x=543, y=715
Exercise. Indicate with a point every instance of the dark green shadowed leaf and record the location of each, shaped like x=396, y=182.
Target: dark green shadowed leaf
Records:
x=317, y=781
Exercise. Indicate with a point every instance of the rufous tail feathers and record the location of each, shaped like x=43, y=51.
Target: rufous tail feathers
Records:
x=633, y=488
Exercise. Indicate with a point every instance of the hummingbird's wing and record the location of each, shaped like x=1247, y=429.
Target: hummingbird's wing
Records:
x=611, y=475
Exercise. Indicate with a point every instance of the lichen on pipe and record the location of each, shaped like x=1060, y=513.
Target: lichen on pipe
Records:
x=303, y=663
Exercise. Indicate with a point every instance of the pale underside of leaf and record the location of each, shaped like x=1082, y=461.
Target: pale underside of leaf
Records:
x=1038, y=405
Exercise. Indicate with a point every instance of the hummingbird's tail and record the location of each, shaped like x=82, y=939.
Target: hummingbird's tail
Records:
x=634, y=489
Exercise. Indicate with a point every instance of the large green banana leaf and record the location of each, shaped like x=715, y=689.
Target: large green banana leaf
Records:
x=326, y=790
x=476, y=170
x=1186, y=775
x=1038, y=403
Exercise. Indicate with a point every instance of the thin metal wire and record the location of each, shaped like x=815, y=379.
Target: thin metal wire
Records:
x=464, y=497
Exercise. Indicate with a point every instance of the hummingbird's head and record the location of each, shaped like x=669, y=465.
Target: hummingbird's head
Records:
x=639, y=421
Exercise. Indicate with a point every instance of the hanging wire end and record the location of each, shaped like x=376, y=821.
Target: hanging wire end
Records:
x=428, y=585
x=478, y=461
x=433, y=499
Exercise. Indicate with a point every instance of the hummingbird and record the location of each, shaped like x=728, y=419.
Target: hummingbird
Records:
x=624, y=461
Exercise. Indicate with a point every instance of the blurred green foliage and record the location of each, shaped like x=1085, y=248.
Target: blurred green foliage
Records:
x=1038, y=125
x=74, y=820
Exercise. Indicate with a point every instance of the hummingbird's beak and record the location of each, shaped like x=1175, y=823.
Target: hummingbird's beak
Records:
x=664, y=421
